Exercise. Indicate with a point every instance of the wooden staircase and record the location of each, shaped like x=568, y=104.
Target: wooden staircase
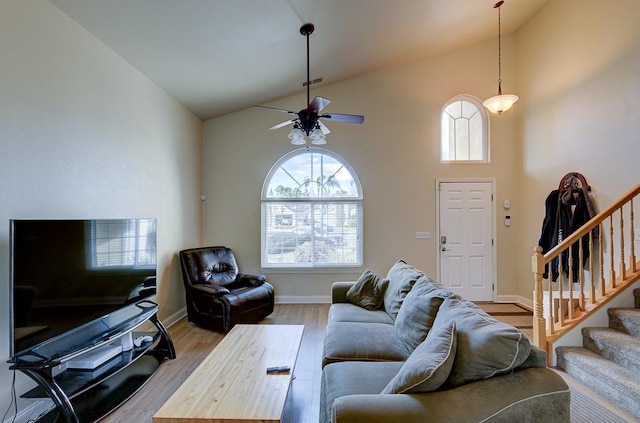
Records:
x=561, y=305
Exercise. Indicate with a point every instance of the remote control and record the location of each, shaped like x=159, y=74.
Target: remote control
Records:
x=278, y=369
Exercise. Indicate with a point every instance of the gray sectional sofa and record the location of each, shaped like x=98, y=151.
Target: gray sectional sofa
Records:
x=403, y=348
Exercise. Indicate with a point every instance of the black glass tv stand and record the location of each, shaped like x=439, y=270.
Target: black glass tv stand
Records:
x=86, y=394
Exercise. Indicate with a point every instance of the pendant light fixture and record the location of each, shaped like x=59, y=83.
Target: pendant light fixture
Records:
x=501, y=102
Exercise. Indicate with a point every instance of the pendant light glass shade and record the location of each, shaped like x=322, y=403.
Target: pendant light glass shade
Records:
x=317, y=136
x=502, y=102
x=297, y=136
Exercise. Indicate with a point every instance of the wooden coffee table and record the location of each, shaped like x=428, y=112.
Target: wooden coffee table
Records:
x=232, y=384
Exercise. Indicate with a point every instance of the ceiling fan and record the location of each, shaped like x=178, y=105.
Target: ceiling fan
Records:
x=307, y=121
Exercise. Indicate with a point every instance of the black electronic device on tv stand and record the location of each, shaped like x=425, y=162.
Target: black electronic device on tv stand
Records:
x=87, y=395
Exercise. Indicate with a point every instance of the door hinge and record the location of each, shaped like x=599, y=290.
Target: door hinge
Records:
x=492, y=242
x=492, y=198
x=493, y=287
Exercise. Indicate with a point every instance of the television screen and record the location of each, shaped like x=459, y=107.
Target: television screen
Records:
x=67, y=273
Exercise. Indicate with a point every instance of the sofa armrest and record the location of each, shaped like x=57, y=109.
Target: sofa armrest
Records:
x=339, y=291
x=538, y=394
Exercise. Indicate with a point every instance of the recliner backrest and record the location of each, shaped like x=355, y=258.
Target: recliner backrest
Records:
x=213, y=265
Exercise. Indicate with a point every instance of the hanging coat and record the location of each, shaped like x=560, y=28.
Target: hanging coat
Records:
x=566, y=211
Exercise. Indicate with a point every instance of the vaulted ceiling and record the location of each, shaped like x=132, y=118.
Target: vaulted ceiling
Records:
x=219, y=56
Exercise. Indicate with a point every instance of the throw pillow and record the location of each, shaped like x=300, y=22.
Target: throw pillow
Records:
x=401, y=277
x=418, y=311
x=368, y=291
x=429, y=364
x=486, y=346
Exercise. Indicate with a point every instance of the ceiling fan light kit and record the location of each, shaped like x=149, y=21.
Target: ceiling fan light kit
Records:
x=297, y=136
x=501, y=102
x=307, y=124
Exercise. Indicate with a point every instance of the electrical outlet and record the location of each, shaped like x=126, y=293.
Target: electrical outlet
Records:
x=636, y=234
x=423, y=235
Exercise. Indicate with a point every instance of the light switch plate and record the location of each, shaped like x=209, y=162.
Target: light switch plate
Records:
x=423, y=235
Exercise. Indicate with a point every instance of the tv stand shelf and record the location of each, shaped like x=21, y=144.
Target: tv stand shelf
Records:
x=87, y=395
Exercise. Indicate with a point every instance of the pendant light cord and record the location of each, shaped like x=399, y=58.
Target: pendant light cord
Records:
x=497, y=5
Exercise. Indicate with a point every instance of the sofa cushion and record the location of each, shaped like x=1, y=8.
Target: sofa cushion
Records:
x=486, y=346
x=418, y=311
x=347, y=312
x=353, y=378
x=368, y=291
x=429, y=364
x=537, y=358
x=401, y=277
x=354, y=341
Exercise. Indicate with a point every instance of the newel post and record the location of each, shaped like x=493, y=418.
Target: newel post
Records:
x=539, y=323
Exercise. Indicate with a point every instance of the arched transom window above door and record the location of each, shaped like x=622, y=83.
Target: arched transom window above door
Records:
x=464, y=131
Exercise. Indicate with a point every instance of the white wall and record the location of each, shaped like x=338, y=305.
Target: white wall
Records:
x=84, y=135
x=579, y=83
x=576, y=67
x=395, y=154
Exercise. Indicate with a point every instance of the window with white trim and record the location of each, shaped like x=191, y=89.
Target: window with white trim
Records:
x=311, y=212
x=465, y=131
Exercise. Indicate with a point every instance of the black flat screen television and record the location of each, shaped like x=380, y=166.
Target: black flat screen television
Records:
x=66, y=274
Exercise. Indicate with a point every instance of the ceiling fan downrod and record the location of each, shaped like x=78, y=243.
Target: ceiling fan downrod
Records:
x=306, y=30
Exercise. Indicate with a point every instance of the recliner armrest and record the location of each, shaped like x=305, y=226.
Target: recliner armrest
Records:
x=210, y=289
x=250, y=280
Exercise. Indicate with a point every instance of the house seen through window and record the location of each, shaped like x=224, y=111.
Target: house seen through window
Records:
x=311, y=212
x=465, y=131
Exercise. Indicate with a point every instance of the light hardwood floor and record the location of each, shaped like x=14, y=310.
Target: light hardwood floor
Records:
x=193, y=344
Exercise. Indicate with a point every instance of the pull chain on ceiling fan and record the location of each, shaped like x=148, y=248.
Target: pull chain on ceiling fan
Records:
x=308, y=123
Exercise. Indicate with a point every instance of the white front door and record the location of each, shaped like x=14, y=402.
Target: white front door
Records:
x=466, y=238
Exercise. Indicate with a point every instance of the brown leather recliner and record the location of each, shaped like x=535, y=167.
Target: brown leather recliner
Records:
x=217, y=296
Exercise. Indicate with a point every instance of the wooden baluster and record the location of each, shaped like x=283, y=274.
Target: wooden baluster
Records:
x=612, y=272
x=592, y=281
x=623, y=266
x=550, y=319
x=539, y=329
x=601, y=249
x=560, y=312
x=581, y=276
x=571, y=274
x=632, y=256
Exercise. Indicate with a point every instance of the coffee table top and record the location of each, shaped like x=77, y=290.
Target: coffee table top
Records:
x=232, y=384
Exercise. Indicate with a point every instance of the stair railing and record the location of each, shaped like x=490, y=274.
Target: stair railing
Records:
x=567, y=295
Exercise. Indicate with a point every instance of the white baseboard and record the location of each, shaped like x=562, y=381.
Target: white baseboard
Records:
x=307, y=299
x=523, y=301
x=170, y=320
x=326, y=299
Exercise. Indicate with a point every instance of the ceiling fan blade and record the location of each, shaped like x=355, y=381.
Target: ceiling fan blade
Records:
x=279, y=110
x=319, y=103
x=341, y=117
x=324, y=128
x=283, y=124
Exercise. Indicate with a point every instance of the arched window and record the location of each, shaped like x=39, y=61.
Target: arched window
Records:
x=465, y=131
x=311, y=212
